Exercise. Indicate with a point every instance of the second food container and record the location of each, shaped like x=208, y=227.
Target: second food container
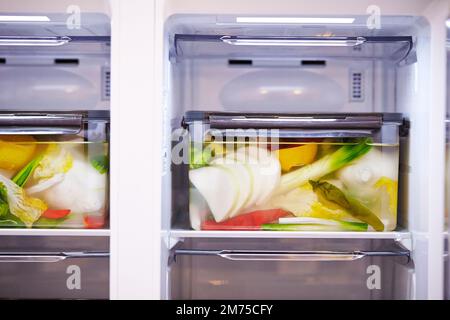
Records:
x=293, y=172
x=54, y=169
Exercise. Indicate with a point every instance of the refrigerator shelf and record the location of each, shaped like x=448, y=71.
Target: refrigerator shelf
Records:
x=56, y=232
x=399, y=235
x=13, y=46
x=204, y=46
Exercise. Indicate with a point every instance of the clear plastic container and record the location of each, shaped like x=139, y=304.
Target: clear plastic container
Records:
x=285, y=172
x=54, y=170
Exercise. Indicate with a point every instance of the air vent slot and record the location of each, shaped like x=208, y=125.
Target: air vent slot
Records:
x=67, y=61
x=313, y=63
x=106, y=83
x=240, y=62
x=356, y=86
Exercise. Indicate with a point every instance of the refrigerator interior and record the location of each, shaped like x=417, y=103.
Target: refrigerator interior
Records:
x=53, y=67
x=215, y=63
x=69, y=73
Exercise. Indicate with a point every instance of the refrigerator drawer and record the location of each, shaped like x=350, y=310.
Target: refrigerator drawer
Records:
x=54, y=268
x=290, y=172
x=380, y=273
x=38, y=277
x=54, y=170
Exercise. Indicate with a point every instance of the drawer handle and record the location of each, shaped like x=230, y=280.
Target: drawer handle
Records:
x=48, y=257
x=241, y=255
x=31, y=258
x=301, y=256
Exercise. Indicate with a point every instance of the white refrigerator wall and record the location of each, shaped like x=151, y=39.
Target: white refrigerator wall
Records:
x=136, y=151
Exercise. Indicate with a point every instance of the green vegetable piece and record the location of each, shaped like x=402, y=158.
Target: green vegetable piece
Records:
x=27, y=209
x=100, y=163
x=199, y=158
x=325, y=165
x=45, y=223
x=8, y=223
x=22, y=177
x=341, y=226
x=4, y=207
x=328, y=192
x=11, y=221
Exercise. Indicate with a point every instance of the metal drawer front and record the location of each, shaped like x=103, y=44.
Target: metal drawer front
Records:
x=50, y=277
x=290, y=269
x=55, y=267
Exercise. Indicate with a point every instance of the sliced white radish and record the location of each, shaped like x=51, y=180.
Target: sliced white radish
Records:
x=269, y=170
x=242, y=177
x=218, y=186
x=198, y=209
x=256, y=178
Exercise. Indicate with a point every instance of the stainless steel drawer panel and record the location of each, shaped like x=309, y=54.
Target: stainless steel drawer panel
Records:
x=205, y=277
x=54, y=267
x=289, y=269
x=53, y=243
x=72, y=278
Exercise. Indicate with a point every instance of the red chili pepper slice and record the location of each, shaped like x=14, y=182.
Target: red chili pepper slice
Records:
x=55, y=214
x=94, y=222
x=247, y=221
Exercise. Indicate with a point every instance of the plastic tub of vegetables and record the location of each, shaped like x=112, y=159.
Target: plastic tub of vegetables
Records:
x=293, y=172
x=54, y=170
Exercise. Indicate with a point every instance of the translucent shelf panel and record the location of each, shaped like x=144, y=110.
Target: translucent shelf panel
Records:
x=55, y=45
x=197, y=46
x=54, y=33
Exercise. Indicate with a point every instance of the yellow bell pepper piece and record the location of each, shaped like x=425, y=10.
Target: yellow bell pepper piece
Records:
x=296, y=156
x=16, y=151
x=391, y=188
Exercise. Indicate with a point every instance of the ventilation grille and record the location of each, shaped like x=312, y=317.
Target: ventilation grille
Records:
x=106, y=84
x=356, y=86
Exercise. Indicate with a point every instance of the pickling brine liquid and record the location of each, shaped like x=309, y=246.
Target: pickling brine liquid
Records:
x=346, y=184
x=53, y=183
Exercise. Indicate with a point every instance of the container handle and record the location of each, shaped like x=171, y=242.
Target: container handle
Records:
x=40, y=124
x=300, y=122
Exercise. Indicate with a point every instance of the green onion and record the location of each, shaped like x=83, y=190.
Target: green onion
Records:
x=330, y=193
x=323, y=166
x=100, y=163
x=4, y=207
x=22, y=177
